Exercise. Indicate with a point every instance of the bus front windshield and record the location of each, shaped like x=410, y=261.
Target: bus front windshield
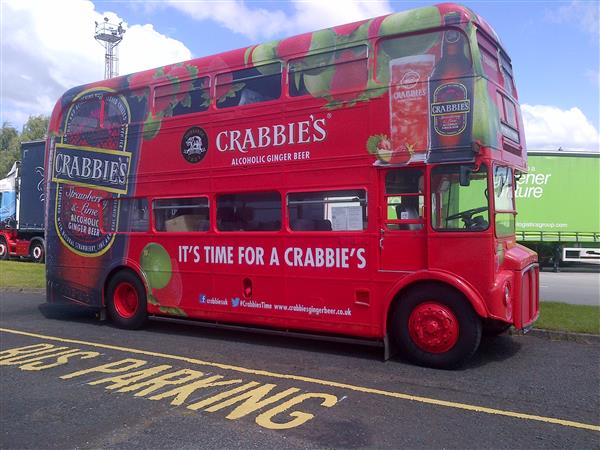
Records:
x=459, y=198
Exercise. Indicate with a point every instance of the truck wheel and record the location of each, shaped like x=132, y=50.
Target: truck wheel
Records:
x=3, y=249
x=36, y=252
x=126, y=300
x=436, y=327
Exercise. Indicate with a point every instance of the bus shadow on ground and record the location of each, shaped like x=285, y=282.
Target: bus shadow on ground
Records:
x=69, y=313
x=266, y=338
x=492, y=349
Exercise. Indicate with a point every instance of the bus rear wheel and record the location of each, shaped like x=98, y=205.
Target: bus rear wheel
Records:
x=126, y=300
x=435, y=327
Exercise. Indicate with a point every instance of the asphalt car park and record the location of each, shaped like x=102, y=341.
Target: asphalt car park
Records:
x=69, y=380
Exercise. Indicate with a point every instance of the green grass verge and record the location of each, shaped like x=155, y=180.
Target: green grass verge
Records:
x=565, y=317
x=553, y=316
x=22, y=275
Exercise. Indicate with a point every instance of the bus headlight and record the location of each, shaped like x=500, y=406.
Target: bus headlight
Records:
x=507, y=296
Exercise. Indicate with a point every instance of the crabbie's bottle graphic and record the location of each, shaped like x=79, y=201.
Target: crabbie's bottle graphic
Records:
x=93, y=163
x=451, y=94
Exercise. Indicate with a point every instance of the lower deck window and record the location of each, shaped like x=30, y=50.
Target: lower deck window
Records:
x=405, y=202
x=249, y=212
x=181, y=214
x=125, y=215
x=328, y=210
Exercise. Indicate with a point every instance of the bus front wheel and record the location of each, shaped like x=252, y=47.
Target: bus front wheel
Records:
x=126, y=300
x=435, y=327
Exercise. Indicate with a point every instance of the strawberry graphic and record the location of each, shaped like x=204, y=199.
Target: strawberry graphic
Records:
x=380, y=146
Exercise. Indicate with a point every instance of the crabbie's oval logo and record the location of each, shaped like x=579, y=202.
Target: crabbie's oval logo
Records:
x=410, y=79
x=194, y=145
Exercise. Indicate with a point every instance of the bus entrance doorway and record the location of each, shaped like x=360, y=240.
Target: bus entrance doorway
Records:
x=402, y=245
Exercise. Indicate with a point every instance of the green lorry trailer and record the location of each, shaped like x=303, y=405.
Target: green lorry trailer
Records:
x=558, y=204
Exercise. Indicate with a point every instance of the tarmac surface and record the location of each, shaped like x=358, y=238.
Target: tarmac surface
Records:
x=87, y=384
x=575, y=286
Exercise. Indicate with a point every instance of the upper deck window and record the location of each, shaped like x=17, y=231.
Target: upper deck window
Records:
x=407, y=54
x=90, y=115
x=508, y=118
x=489, y=58
x=183, y=97
x=329, y=73
x=84, y=114
x=247, y=86
x=507, y=73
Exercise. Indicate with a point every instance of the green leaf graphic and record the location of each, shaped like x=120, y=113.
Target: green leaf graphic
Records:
x=151, y=127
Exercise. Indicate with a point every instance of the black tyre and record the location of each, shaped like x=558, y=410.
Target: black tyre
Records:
x=435, y=326
x=126, y=300
x=3, y=249
x=37, y=252
x=495, y=328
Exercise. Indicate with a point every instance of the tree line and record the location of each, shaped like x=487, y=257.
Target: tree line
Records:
x=34, y=129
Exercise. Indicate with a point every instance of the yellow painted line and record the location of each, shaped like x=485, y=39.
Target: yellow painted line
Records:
x=334, y=384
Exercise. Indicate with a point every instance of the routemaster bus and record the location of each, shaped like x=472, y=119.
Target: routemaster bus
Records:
x=354, y=182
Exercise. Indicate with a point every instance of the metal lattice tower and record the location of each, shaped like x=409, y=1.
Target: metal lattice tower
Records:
x=109, y=36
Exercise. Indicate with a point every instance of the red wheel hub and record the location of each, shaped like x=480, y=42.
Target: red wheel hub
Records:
x=125, y=300
x=433, y=327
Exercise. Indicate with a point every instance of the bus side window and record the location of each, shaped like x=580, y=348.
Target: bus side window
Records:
x=328, y=210
x=408, y=52
x=131, y=215
x=259, y=211
x=509, y=125
x=312, y=75
x=85, y=115
x=247, y=86
x=182, y=97
x=181, y=214
x=507, y=73
x=404, y=199
x=489, y=58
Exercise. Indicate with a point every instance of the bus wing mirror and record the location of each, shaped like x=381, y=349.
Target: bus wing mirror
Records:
x=465, y=175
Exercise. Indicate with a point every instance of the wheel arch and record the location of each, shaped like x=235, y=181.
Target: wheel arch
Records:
x=127, y=265
x=39, y=239
x=428, y=278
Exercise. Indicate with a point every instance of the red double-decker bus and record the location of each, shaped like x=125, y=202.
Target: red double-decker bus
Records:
x=356, y=181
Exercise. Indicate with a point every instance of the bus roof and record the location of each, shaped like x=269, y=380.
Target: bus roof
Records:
x=410, y=21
